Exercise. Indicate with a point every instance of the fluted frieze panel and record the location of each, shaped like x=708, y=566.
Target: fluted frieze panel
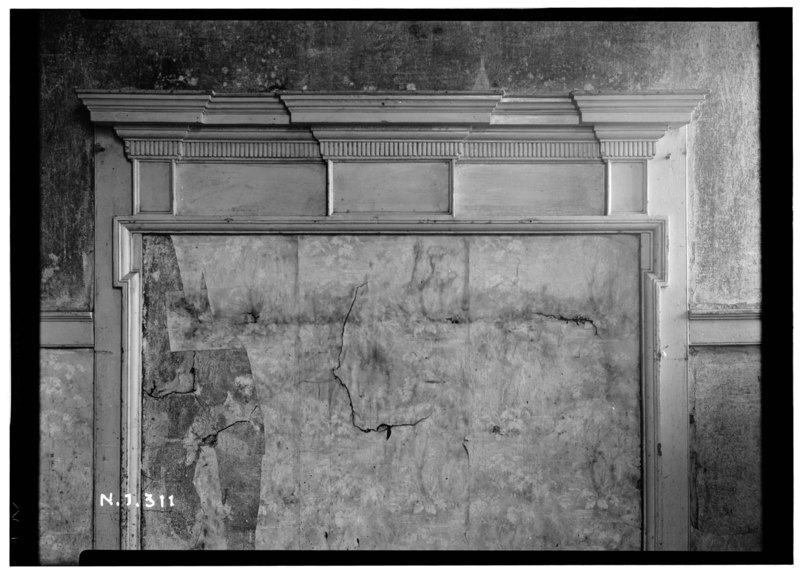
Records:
x=628, y=149
x=252, y=149
x=531, y=150
x=153, y=148
x=376, y=148
x=176, y=149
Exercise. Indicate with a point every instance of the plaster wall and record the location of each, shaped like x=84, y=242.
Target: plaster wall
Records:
x=65, y=454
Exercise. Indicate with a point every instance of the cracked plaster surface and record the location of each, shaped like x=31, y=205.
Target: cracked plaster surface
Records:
x=501, y=373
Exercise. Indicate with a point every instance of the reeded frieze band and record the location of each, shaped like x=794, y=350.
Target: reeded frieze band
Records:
x=252, y=149
x=587, y=150
x=393, y=143
x=172, y=149
x=628, y=149
x=365, y=148
x=411, y=149
x=161, y=148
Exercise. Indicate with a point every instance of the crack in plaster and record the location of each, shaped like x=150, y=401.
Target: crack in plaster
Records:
x=577, y=320
x=382, y=427
x=211, y=439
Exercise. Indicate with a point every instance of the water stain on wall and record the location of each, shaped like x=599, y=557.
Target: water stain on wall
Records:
x=392, y=392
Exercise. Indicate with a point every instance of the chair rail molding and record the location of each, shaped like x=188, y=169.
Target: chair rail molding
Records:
x=66, y=329
x=725, y=328
x=410, y=163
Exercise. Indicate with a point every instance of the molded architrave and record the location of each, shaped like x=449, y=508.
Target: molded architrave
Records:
x=583, y=127
x=127, y=250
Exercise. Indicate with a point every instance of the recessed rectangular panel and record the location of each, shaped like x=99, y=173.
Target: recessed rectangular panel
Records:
x=251, y=189
x=155, y=182
x=391, y=187
x=497, y=189
x=392, y=392
x=628, y=186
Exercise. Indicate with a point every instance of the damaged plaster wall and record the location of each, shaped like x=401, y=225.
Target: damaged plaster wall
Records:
x=392, y=392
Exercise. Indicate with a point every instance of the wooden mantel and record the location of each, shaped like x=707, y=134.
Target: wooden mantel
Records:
x=393, y=163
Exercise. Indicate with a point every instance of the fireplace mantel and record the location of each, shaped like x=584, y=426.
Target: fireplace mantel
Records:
x=400, y=163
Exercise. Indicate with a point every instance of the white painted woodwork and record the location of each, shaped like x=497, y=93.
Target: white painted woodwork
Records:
x=501, y=190
x=627, y=192
x=391, y=187
x=725, y=328
x=154, y=187
x=229, y=189
x=66, y=330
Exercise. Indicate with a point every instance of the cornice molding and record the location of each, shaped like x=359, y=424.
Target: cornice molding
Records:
x=629, y=124
x=382, y=108
x=535, y=110
x=144, y=107
x=670, y=108
x=469, y=125
x=249, y=110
